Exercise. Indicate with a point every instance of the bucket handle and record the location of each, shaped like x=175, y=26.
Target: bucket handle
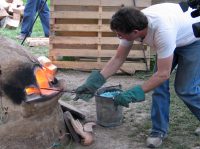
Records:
x=119, y=86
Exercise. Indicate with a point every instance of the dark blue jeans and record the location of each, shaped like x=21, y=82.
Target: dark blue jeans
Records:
x=31, y=8
x=187, y=87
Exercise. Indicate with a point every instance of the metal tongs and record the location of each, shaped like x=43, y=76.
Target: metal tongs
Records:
x=67, y=91
x=75, y=92
x=88, y=92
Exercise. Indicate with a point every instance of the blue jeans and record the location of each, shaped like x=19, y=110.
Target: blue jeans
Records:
x=31, y=8
x=187, y=87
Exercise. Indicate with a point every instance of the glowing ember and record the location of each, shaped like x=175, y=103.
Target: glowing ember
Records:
x=43, y=77
x=32, y=90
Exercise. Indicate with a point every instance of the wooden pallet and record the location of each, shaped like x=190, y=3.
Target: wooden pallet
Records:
x=80, y=31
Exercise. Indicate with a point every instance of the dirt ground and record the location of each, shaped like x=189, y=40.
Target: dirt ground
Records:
x=126, y=136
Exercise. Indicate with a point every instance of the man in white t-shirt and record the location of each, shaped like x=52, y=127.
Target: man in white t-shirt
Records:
x=167, y=29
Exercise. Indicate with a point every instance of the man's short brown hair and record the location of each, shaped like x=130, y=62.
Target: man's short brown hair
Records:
x=127, y=19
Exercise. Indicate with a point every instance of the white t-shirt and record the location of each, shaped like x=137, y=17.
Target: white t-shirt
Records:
x=168, y=27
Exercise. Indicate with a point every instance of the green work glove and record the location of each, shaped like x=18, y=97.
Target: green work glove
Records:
x=88, y=89
x=135, y=94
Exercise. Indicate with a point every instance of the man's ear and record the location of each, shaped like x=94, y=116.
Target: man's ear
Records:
x=135, y=31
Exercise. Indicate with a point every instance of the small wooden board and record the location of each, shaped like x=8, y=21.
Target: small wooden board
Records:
x=37, y=41
x=73, y=110
x=69, y=126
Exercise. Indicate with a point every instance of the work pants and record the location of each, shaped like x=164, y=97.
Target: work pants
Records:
x=30, y=11
x=187, y=87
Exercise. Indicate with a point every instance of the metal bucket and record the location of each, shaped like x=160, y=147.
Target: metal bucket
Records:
x=108, y=114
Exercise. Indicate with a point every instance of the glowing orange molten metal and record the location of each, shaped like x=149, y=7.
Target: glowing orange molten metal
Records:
x=43, y=78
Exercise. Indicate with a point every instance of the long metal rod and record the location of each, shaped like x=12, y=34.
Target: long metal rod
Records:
x=53, y=89
x=74, y=91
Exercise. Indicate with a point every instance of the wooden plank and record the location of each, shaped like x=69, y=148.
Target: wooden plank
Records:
x=148, y=56
x=93, y=2
x=16, y=16
x=76, y=27
x=35, y=42
x=76, y=2
x=19, y=10
x=74, y=52
x=99, y=34
x=95, y=53
x=74, y=40
x=76, y=21
x=82, y=14
x=139, y=3
x=3, y=13
x=117, y=2
x=81, y=27
x=96, y=65
x=52, y=21
x=109, y=40
x=107, y=15
x=143, y=3
x=10, y=23
x=75, y=14
x=105, y=28
x=85, y=40
x=113, y=40
x=76, y=34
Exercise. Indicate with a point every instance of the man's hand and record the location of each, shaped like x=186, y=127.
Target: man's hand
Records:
x=88, y=89
x=135, y=94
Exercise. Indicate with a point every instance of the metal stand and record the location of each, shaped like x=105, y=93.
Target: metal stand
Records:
x=34, y=22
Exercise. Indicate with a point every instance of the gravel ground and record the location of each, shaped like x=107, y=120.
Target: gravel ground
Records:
x=126, y=136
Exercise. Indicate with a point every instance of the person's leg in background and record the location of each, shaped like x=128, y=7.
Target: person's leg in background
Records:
x=44, y=16
x=28, y=18
x=160, y=111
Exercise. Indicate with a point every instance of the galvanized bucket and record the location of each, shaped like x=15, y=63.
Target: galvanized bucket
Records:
x=108, y=114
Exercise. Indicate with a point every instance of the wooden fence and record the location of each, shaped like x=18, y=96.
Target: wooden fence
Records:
x=81, y=37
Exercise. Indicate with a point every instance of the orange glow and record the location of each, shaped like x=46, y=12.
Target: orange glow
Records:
x=31, y=90
x=49, y=73
x=42, y=78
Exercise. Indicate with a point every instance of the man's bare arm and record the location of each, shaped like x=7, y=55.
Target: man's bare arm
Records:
x=163, y=73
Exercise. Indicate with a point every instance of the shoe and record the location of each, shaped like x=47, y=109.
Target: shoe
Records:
x=21, y=37
x=155, y=140
x=197, y=131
